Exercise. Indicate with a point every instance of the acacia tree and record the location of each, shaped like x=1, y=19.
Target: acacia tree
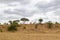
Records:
x=24, y=20
x=13, y=25
x=40, y=21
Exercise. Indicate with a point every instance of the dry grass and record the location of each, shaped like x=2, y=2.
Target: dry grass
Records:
x=30, y=36
x=30, y=33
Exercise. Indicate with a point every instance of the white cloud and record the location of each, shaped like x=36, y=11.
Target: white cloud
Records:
x=33, y=9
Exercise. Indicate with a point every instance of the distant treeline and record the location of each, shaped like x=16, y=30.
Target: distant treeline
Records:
x=12, y=26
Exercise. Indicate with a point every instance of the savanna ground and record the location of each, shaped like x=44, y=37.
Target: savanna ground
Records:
x=30, y=36
x=30, y=33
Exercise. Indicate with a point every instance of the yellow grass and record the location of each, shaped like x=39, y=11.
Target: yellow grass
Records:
x=30, y=36
x=30, y=33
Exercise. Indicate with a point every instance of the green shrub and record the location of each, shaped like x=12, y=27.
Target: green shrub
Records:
x=12, y=28
x=1, y=30
x=49, y=24
x=13, y=25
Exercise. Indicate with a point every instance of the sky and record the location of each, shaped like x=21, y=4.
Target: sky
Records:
x=48, y=10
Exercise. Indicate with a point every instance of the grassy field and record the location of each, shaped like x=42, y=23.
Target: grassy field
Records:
x=30, y=36
x=31, y=33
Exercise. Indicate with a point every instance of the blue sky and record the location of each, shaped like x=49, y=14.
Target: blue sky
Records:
x=49, y=10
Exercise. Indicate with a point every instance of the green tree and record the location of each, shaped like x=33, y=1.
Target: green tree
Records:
x=56, y=23
x=40, y=21
x=13, y=25
x=24, y=20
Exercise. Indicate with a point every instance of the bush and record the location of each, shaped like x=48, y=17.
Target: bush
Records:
x=24, y=27
x=49, y=24
x=36, y=26
x=12, y=28
x=1, y=30
x=13, y=25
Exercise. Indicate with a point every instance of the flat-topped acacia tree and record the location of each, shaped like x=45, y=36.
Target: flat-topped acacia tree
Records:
x=24, y=20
